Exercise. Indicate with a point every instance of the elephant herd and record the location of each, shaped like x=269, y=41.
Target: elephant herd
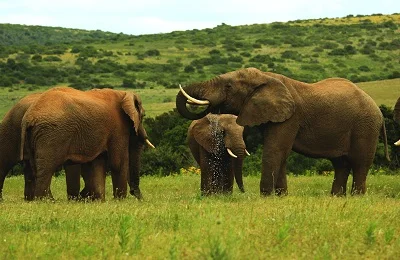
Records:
x=95, y=131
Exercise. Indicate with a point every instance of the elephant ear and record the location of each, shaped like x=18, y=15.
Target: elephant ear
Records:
x=270, y=102
x=202, y=134
x=132, y=107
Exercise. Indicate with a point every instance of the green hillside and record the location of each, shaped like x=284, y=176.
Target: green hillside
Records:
x=361, y=48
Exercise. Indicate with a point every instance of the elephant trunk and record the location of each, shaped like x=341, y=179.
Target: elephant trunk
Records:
x=181, y=102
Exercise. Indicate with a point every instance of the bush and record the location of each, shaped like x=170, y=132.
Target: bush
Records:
x=52, y=58
x=37, y=58
x=293, y=55
x=153, y=52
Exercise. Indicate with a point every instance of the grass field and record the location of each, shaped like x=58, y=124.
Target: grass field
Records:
x=174, y=222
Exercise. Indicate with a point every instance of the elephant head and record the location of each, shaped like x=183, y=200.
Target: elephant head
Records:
x=217, y=144
x=396, y=116
x=217, y=133
x=250, y=94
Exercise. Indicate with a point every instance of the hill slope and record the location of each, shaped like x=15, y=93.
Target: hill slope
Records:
x=362, y=49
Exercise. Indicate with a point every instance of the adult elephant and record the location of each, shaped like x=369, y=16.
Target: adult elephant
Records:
x=396, y=116
x=331, y=119
x=217, y=144
x=10, y=143
x=71, y=126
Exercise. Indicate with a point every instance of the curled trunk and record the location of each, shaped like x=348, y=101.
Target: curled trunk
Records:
x=181, y=102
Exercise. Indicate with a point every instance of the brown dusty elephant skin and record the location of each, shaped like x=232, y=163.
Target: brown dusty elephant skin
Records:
x=68, y=125
x=10, y=140
x=331, y=119
x=208, y=139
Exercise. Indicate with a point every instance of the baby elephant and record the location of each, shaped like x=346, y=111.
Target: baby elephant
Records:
x=217, y=144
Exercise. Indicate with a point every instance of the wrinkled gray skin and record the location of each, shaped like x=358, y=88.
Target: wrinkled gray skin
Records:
x=331, y=119
x=396, y=116
x=10, y=143
x=66, y=125
x=208, y=139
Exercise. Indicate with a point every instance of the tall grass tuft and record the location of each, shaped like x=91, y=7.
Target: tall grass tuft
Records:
x=123, y=232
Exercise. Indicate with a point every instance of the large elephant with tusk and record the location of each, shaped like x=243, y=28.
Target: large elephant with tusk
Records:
x=332, y=119
x=217, y=144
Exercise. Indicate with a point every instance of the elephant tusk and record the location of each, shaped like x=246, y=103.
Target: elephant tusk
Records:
x=150, y=144
x=397, y=143
x=230, y=153
x=193, y=100
x=247, y=152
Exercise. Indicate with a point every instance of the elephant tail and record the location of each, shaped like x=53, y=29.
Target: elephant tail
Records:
x=23, y=138
x=384, y=136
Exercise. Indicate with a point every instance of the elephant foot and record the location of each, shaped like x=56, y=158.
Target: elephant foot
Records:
x=242, y=189
x=340, y=193
x=136, y=193
x=281, y=192
x=265, y=192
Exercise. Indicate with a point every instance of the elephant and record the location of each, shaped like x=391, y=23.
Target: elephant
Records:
x=396, y=117
x=10, y=140
x=332, y=119
x=217, y=144
x=67, y=125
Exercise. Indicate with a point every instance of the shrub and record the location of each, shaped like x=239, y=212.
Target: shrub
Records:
x=364, y=68
x=293, y=55
x=37, y=58
x=52, y=58
x=152, y=52
x=189, y=69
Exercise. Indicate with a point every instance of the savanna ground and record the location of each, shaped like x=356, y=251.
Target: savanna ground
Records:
x=175, y=222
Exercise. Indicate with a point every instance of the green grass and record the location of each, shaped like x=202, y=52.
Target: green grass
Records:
x=174, y=222
x=383, y=92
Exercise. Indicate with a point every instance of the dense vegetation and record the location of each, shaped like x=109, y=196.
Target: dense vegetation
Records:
x=361, y=48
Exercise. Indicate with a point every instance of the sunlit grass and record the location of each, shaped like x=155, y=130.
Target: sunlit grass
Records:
x=174, y=221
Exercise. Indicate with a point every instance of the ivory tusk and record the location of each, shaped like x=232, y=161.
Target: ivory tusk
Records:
x=230, y=153
x=247, y=152
x=397, y=143
x=149, y=143
x=193, y=100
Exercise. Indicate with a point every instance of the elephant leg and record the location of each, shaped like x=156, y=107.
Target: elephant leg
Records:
x=342, y=170
x=73, y=180
x=359, y=179
x=278, y=142
x=227, y=176
x=119, y=186
x=361, y=159
x=206, y=174
x=43, y=173
x=281, y=181
x=135, y=150
x=29, y=181
x=42, y=185
x=94, y=175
